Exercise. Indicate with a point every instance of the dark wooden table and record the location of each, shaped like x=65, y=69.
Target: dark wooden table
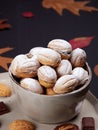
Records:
x=36, y=22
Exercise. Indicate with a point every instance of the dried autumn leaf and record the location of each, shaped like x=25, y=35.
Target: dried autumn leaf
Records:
x=4, y=25
x=27, y=14
x=96, y=70
x=3, y=50
x=80, y=42
x=5, y=60
x=70, y=5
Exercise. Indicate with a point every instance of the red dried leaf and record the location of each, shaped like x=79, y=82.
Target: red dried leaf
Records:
x=96, y=70
x=27, y=14
x=80, y=42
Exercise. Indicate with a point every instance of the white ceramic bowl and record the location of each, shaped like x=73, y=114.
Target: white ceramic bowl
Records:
x=51, y=109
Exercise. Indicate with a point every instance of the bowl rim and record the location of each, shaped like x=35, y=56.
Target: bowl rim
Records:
x=57, y=95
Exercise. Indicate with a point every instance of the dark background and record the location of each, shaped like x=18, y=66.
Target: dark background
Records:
x=46, y=25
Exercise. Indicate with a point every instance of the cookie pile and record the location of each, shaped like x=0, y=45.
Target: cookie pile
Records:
x=55, y=69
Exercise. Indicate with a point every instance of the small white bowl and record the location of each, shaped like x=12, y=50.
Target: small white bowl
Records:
x=51, y=109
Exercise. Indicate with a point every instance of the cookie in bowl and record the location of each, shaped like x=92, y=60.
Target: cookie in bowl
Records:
x=61, y=46
x=23, y=67
x=47, y=76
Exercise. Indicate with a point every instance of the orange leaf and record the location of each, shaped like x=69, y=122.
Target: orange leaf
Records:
x=70, y=5
x=4, y=61
x=4, y=25
x=80, y=42
x=3, y=50
x=96, y=70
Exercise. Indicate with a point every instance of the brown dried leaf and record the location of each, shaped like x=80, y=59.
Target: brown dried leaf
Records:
x=71, y=5
x=4, y=25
